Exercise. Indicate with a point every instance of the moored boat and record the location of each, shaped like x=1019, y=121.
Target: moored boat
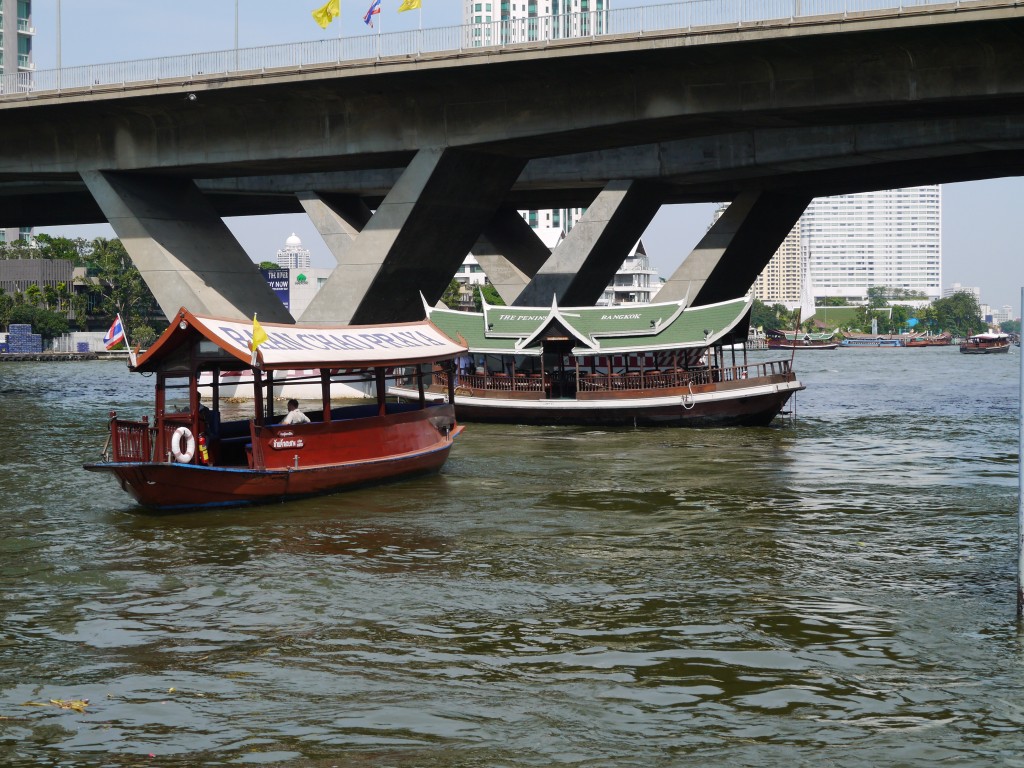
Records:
x=869, y=341
x=986, y=344
x=654, y=364
x=941, y=340
x=189, y=457
x=800, y=340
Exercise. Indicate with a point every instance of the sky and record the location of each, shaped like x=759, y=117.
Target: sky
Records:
x=983, y=223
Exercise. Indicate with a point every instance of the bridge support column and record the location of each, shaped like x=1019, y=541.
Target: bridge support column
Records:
x=728, y=259
x=592, y=252
x=510, y=253
x=183, y=250
x=417, y=239
x=338, y=219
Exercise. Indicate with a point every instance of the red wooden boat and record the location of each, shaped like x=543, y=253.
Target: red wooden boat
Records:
x=189, y=457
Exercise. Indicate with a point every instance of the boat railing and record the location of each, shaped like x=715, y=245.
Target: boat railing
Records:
x=599, y=381
x=130, y=440
x=501, y=382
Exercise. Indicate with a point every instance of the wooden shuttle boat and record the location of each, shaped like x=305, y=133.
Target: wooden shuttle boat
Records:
x=986, y=344
x=191, y=458
x=653, y=364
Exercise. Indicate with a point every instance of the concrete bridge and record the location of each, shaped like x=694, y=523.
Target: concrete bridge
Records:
x=406, y=163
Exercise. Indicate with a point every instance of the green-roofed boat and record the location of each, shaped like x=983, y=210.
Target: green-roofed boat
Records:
x=651, y=364
x=801, y=340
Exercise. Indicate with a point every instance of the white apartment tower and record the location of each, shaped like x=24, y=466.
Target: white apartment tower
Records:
x=507, y=21
x=890, y=238
x=293, y=255
x=16, y=33
x=849, y=243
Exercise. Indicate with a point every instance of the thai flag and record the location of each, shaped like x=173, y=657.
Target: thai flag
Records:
x=374, y=10
x=115, y=335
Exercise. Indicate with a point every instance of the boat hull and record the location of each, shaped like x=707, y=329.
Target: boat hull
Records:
x=995, y=350
x=790, y=346
x=169, y=486
x=725, y=405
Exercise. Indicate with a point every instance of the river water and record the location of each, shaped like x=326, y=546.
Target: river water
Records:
x=839, y=591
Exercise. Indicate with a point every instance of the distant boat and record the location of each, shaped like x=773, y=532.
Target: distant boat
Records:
x=942, y=340
x=647, y=365
x=800, y=340
x=870, y=341
x=986, y=344
x=190, y=458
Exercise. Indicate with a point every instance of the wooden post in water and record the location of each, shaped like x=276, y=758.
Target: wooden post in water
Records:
x=1020, y=484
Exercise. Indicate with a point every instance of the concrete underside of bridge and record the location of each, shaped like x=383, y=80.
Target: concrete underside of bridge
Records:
x=441, y=148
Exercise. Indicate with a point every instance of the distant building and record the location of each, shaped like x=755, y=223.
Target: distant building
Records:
x=296, y=287
x=782, y=279
x=499, y=22
x=890, y=238
x=16, y=34
x=16, y=275
x=957, y=288
x=846, y=244
x=997, y=316
x=470, y=272
x=293, y=255
x=634, y=283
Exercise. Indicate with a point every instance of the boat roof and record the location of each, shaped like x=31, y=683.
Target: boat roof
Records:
x=596, y=330
x=990, y=336
x=226, y=343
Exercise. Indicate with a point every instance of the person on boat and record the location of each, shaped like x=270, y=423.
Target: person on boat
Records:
x=294, y=415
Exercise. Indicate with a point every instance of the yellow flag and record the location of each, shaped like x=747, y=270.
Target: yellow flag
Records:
x=258, y=334
x=258, y=337
x=325, y=15
x=409, y=5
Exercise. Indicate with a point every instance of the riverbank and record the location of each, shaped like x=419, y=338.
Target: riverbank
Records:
x=59, y=357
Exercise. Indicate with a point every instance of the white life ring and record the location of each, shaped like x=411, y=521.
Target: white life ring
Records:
x=183, y=457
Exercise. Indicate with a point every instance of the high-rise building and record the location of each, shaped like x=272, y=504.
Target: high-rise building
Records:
x=782, y=279
x=846, y=244
x=890, y=238
x=293, y=255
x=16, y=33
x=502, y=21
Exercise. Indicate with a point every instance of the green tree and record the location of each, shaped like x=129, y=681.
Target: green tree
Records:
x=47, y=323
x=33, y=295
x=19, y=249
x=1010, y=326
x=486, y=292
x=116, y=285
x=48, y=247
x=6, y=307
x=269, y=265
x=450, y=297
x=776, y=317
x=959, y=314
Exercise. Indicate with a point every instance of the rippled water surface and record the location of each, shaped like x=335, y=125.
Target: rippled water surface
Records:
x=835, y=592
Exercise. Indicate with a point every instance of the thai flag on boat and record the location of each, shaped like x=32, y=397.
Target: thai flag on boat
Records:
x=374, y=10
x=115, y=335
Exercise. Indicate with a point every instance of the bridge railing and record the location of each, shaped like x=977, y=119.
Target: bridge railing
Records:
x=688, y=15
